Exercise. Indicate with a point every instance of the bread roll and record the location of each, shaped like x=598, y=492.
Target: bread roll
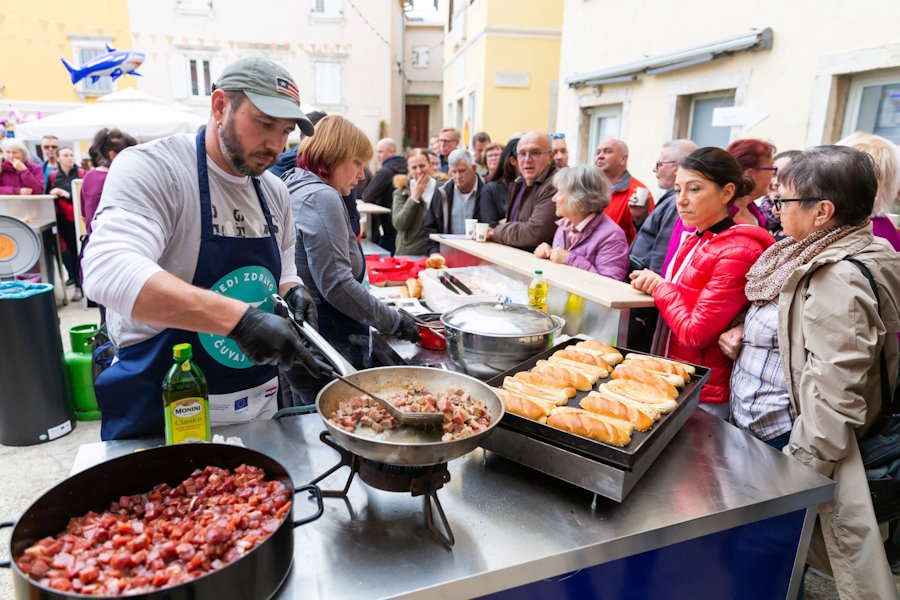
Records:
x=661, y=366
x=524, y=406
x=604, y=405
x=404, y=292
x=605, y=351
x=688, y=368
x=435, y=261
x=647, y=409
x=622, y=424
x=577, y=380
x=584, y=357
x=593, y=371
x=621, y=388
x=415, y=287
x=547, y=394
x=648, y=366
x=580, y=422
x=544, y=380
x=648, y=377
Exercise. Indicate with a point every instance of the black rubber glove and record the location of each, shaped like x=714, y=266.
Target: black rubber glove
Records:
x=301, y=302
x=407, y=329
x=268, y=339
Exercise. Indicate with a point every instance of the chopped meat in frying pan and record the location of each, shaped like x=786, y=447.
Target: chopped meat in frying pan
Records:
x=463, y=415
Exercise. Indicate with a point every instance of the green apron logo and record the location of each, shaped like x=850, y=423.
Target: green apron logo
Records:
x=253, y=285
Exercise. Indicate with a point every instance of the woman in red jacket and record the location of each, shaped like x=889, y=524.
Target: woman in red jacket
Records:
x=703, y=290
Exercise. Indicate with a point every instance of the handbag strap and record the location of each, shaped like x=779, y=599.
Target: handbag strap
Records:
x=888, y=400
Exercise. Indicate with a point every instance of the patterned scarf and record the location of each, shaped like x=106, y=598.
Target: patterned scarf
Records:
x=766, y=277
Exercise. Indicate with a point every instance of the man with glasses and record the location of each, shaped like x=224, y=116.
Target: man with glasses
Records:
x=448, y=141
x=455, y=201
x=612, y=159
x=49, y=146
x=559, y=150
x=531, y=213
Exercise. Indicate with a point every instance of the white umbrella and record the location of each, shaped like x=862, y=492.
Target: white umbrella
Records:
x=135, y=113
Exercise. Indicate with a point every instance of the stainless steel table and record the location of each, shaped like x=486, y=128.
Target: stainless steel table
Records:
x=514, y=526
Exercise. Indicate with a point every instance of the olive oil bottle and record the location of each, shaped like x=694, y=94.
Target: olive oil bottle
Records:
x=185, y=400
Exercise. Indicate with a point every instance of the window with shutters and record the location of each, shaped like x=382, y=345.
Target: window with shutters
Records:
x=327, y=10
x=199, y=79
x=329, y=89
x=420, y=57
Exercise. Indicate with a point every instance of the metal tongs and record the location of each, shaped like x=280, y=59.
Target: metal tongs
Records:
x=306, y=331
x=435, y=329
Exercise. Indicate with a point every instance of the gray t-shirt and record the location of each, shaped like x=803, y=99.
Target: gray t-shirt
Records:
x=463, y=208
x=158, y=182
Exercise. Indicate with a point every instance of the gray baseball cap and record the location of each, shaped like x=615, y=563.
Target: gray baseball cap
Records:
x=269, y=87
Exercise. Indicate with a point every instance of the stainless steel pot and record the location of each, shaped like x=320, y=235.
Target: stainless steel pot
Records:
x=488, y=338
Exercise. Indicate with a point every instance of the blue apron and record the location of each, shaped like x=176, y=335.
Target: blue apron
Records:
x=129, y=392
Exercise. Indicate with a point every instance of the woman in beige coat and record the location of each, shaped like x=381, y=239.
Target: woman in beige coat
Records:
x=829, y=335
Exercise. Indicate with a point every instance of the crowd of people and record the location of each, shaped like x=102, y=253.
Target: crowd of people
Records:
x=758, y=262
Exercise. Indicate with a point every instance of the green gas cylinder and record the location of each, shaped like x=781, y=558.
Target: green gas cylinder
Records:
x=78, y=365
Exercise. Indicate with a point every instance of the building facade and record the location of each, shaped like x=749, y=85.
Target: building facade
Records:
x=501, y=65
x=422, y=77
x=342, y=53
x=796, y=74
x=35, y=35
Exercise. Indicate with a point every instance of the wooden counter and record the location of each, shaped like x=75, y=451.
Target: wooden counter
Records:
x=596, y=288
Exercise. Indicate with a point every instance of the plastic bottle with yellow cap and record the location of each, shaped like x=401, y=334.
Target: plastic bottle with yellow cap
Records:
x=185, y=400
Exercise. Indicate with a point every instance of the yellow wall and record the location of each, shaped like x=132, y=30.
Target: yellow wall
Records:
x=34, y=35
x=505, y=35
x=516, y=13
x=508, y=110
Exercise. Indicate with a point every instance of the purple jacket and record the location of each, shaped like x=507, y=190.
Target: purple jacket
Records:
x=601, y=249
x=884, y=228
x=11, y=181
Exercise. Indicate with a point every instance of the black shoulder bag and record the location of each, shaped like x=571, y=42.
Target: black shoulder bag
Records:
x=880, y=448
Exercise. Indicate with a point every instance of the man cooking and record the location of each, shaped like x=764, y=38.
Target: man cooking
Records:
x=188, y=250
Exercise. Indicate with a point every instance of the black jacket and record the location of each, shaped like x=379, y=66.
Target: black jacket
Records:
x=381, y=192
x=438, y=218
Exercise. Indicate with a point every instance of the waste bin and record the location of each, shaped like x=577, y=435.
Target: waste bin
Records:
x=34, y=391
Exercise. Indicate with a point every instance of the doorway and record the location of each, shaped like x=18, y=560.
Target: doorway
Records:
x=416, y=133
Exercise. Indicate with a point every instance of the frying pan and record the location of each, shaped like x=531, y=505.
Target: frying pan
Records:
x=257, y=574
x=403, y=446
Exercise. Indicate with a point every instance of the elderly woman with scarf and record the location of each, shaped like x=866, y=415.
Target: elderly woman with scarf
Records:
x=807, y=375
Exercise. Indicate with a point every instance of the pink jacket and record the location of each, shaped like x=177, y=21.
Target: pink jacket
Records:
x=11, y=181
x=601, y=249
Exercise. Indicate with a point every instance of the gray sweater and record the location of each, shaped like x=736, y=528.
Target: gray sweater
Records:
x=327, y=254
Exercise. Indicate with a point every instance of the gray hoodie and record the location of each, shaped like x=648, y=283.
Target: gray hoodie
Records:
x=328, y=257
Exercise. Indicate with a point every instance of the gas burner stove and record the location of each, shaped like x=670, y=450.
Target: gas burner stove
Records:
x=417, y=481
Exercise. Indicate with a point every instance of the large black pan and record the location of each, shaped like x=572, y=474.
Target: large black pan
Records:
x=257, y=574
x=404, y=446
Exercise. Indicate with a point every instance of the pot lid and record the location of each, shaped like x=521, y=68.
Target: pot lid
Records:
x=20, y=247
x=497, y=319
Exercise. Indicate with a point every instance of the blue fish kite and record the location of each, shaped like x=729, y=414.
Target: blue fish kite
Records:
x=114, y=63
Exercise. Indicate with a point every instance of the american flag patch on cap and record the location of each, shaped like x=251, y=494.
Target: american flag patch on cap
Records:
x=285, y=86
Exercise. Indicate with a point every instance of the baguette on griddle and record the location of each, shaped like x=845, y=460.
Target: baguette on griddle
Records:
x=544, y=380
x=648, y=377
x=686, y=367
x=570, y=353
x=645, y=365
x=605, y=351
x=525, y=407
x=547, y=394
x=583, y=423
x=594, y=371
x=660, y=402
x=577, y=379
x=672, y=365
x=604, y=405
x=647, y=409
x=622, y=424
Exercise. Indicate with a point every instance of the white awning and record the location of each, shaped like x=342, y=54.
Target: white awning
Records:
x=756, y=39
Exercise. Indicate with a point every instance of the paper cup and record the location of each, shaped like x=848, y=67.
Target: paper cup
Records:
x=481, y=230
x=641, y=195
x=470, y=226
